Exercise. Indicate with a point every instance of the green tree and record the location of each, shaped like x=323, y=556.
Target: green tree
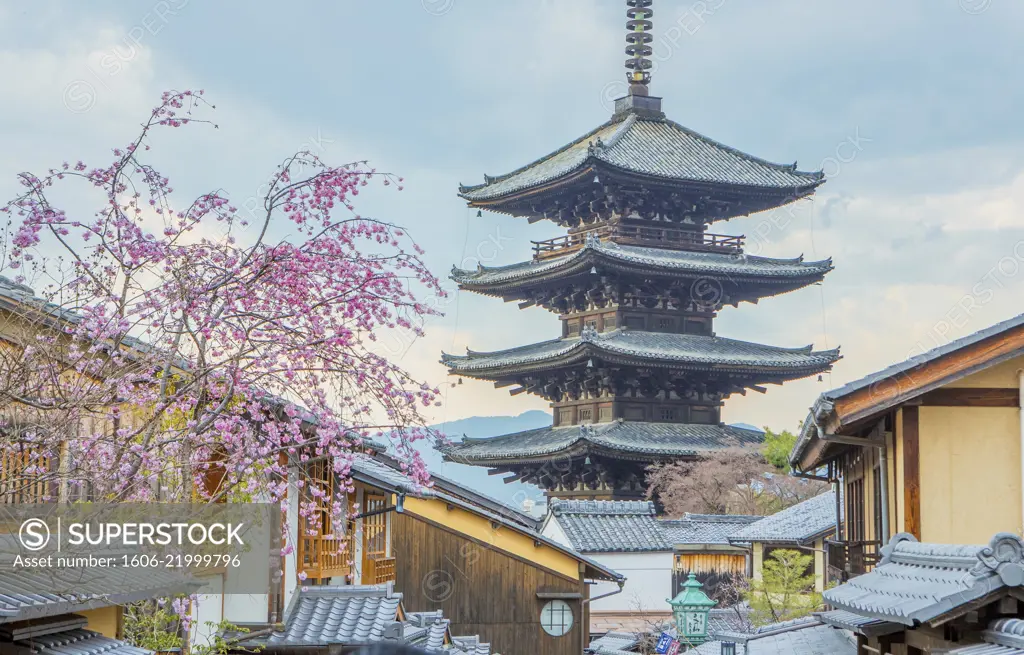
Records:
x=776, y=448
x=785, y=590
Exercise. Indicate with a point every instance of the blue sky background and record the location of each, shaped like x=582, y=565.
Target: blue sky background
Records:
x=912, y=108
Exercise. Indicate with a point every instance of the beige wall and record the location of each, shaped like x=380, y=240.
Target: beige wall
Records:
x=1003, y=376
x=105, y=620
x=758, y=551
x=970, y=473
x=819, y=565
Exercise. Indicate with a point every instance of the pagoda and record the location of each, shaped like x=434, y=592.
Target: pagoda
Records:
x=638, y=375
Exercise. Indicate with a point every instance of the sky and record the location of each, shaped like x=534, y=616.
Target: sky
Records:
x=912, y=109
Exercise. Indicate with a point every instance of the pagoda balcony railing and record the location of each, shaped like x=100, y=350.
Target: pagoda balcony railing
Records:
x=638, y=235
x=848, y=559
x=326, y=556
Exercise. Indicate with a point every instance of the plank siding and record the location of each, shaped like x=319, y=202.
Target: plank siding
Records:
x=482, y=590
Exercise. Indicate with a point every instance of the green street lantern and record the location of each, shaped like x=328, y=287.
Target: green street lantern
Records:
x=691, y=608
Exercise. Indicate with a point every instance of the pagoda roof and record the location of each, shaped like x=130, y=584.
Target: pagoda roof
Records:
x=654, y=147
x=651, y=261
x=626, y=439
x=650, y=348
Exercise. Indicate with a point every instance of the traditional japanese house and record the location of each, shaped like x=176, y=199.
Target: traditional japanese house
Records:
x=913, y=447
x=936, y=598
x=701, y=545
x=638, y=374
x=803, y=527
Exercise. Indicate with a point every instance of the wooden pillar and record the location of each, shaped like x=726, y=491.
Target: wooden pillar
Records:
x=911, y=471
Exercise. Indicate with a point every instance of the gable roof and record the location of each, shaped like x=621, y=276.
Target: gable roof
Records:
x=906, y=380
x=918, y=583
x=653, y=147
x=609, y=526
x=1003, y=637
x=798, y=525
x=384, y=475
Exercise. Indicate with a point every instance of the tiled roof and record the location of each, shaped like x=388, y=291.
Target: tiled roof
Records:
x=654, y=147
x=653, y=439
x=864, y=625
x=374, y=471
x=825, y=402
x=77, y=642
x=1003, y=637
x=608, y=526
x=798, y=524
x=613, y=642
x=319, y=616
x=21, y=598
x=917, y=582
x=360, y=615
x=662, y=349
x=799, y=637
x=711, y=529
x=667, y=262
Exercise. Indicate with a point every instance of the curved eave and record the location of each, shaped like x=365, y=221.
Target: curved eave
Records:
x=580, y=263
x=577, y=352
x=576, y=450
x=582, y=173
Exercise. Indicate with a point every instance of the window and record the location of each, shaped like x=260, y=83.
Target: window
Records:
x=586, y=415
x=605, y=414
x=609, y=322
x=695, y=326
x=574, y=328
x=666, y=323
x=565, y=416
x=556, y=618
x=667, y=414
x=592, y=324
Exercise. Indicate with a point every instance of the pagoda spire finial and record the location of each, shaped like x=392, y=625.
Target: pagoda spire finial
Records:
x=638, y=40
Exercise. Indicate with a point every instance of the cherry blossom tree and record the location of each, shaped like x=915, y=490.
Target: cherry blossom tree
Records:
x=179, y=351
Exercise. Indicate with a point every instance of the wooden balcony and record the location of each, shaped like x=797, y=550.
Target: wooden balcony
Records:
x=323, y=557
x=379, y=570
x=639, y=235
x=848, y=559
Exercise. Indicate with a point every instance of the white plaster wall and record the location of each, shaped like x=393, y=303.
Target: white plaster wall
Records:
x=246, y=608
x=207, y=610
x=291, y=572
x=553, y=531
x=648, y=582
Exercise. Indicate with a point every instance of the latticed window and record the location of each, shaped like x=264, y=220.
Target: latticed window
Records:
x=605, y=414
x=703, y=415
x=667, y=414
x=610, y=322
x=586, y=415
x=556, y=618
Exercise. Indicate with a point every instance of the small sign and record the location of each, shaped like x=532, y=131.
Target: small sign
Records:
x=674, y=648
x=664, y=643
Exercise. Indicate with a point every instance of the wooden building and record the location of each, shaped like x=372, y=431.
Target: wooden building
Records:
x=637, y=374
x=930, y=446
x=701, y=545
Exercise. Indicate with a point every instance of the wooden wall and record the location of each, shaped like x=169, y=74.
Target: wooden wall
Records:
x=482, y=591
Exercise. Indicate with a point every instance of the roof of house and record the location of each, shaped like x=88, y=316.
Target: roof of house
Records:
x=660, y=348
x=382, y=474
x=359, y=615
x=23, y=595
x=613, y=643
x=917, y=583
x=608, y=526
x=709, y=529
x=664, y=262
x=799, y=524
x=1003, y=637
x=63, y=635
x=902, y=371
x=806, y=636
x=653, y=147
x=637, y=438
x=862, y=625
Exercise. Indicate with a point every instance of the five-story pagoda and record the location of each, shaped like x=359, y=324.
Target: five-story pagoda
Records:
x=638, y=375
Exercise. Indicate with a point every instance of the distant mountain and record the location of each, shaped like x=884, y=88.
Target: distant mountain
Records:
x=474, y=477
